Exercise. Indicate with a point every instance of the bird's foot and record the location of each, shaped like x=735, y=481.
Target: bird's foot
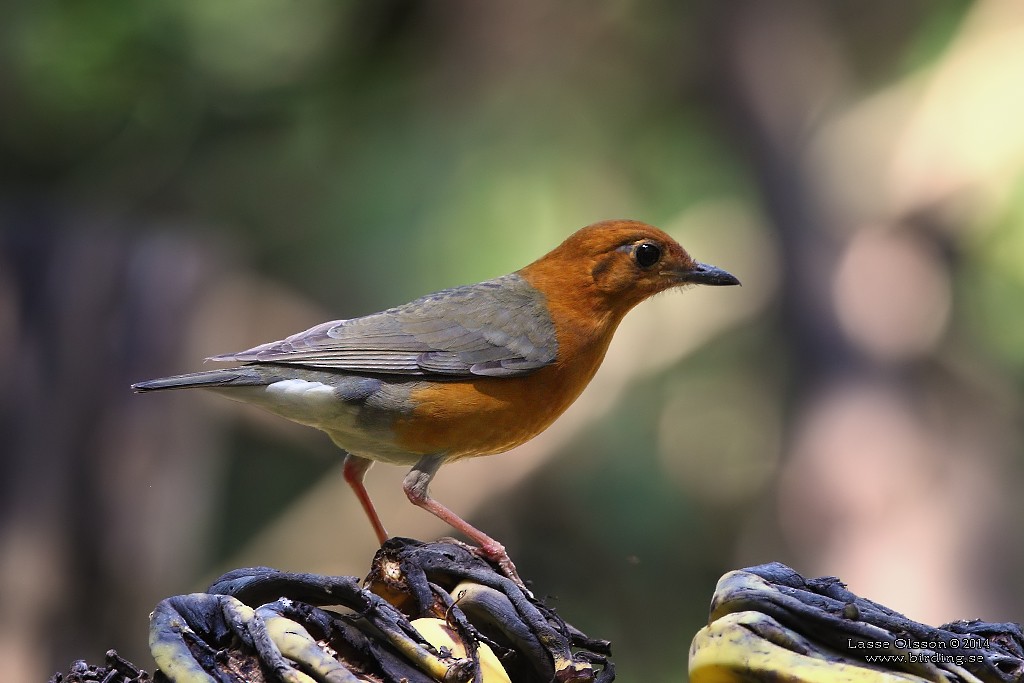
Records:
x=495, y=553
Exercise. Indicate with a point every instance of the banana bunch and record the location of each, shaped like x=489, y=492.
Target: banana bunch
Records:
x=427, y=613
x=768, y=623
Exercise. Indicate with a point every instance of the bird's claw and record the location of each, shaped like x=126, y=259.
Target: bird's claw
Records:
x=509, y=570
x=496, y=554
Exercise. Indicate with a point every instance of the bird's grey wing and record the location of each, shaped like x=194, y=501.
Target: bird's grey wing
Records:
x=500, y=327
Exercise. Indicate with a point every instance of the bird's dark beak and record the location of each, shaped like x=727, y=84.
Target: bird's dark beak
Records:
x=703, y=274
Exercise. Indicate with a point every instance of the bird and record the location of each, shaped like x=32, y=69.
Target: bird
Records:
x=468, y=371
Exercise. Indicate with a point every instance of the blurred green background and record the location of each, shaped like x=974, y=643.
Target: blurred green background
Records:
x=189, y=178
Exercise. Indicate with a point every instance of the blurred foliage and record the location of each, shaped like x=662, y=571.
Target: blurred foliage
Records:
x=993, y=285
x=349, y=126
x=260, y=487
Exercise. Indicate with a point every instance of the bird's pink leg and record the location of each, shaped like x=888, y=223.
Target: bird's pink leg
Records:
x=415, y=487
x=354, y=470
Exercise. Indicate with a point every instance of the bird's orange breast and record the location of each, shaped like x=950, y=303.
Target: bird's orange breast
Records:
x=492, y=414
x=489, y=415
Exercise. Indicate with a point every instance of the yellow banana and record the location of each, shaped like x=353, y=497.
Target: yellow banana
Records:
x=440, y=634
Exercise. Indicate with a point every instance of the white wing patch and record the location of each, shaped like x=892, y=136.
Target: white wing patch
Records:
x=301, y=390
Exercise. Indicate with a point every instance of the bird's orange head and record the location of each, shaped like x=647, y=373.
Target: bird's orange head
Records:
x=617, y=264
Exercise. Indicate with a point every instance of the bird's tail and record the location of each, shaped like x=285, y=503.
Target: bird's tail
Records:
x=210, y=379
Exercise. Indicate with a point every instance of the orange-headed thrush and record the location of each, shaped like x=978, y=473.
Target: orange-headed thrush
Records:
x=467, y=371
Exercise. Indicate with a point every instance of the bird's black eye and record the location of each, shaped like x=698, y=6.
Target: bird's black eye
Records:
x=647, y=254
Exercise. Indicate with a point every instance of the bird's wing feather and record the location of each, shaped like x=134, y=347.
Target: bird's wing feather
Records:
x=496, y=328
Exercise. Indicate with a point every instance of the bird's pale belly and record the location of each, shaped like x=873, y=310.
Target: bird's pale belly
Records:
x=397, y=420
x=354, y=426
